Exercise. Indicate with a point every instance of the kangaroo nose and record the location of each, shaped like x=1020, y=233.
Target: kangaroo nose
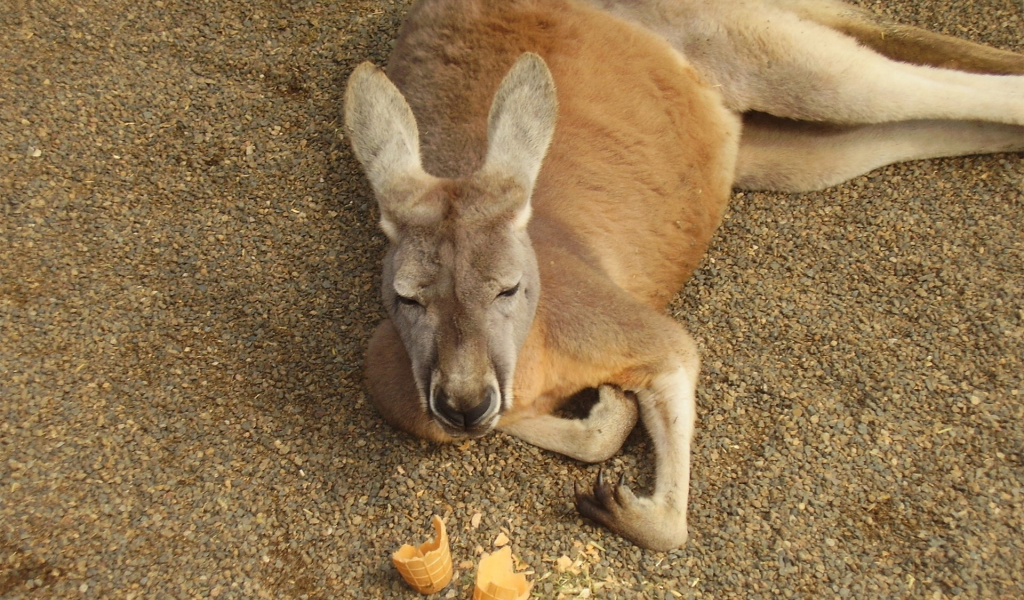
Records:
x=463, y=418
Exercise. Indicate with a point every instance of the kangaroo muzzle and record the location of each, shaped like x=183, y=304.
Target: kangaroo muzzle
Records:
x=465, y=414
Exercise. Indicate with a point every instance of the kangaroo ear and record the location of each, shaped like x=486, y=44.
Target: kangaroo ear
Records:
x=386, y=141
x=521, y=124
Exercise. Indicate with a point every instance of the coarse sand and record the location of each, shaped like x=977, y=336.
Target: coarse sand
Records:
x=189, y=266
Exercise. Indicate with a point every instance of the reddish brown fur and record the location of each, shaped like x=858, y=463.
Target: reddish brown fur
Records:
x=634, y=183
x=630, y=193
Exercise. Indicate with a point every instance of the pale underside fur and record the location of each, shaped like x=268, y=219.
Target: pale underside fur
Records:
x=550, y=172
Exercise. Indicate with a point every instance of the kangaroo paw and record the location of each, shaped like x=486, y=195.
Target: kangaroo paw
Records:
x=610, y=421
x=652, y=523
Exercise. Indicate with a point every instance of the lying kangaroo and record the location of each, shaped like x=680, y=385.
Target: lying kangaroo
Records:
x=536, y=238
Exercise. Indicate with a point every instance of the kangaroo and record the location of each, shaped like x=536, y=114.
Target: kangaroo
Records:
x=550, y=172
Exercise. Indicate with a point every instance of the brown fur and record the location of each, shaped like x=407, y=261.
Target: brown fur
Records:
x=633, y=185
x=619, y=199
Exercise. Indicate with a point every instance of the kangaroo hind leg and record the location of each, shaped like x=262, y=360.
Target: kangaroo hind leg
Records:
x=907, y=111
x=668, y=410
x=794, y=156
x=786, y=58
x=852, y=84
x=906, y=43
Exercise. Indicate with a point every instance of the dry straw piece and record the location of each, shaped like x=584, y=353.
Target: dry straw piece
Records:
x=427, y=568
x=497, y=580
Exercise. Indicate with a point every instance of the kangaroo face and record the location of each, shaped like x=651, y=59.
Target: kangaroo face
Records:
x=460, y=278
x=462, y=291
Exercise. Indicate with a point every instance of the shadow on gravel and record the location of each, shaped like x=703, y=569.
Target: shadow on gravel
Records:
x=19, y=568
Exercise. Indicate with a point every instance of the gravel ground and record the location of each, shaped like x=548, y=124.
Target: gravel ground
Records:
x=188, y=277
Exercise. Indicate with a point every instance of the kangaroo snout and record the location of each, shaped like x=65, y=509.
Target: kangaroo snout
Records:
x=466, y=413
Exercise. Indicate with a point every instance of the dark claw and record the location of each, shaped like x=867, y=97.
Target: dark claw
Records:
x=604, y=493
x=601, y=504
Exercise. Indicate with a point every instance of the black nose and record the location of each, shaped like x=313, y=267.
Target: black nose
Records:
x=463, y=418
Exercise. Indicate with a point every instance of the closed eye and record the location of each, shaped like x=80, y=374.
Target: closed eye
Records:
x=512, y=291
x=407, y=301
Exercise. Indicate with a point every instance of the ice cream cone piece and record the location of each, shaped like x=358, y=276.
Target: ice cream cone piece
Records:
x=427, y=568
x=496, y=579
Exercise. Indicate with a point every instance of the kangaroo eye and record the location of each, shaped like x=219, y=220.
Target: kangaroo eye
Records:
x=512, y=291
x=407, y=301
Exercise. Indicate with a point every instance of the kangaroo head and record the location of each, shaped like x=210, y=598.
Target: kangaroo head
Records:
x=460, y=277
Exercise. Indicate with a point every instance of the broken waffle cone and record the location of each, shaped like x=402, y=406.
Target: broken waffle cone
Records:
x=497, y=580
x=427, y=568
